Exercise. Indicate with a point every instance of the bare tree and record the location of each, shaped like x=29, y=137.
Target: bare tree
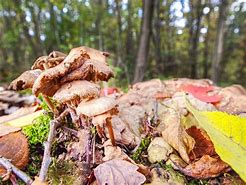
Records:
x=195, y=26
x=218, y=50
x=143, y=49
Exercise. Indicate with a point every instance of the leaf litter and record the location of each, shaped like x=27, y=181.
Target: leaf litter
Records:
x=147, y=135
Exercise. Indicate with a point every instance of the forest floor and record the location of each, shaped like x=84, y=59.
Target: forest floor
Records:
x=159, y=136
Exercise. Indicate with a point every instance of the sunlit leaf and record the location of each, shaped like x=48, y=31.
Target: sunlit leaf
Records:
x=227, y=133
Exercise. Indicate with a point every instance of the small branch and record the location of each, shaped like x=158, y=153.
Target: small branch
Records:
x=74, y=116
x=11, y=168
x=47, y=146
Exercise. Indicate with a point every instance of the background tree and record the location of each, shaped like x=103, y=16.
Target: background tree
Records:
x=221, y=29
x=182, y=41
x=143, y=50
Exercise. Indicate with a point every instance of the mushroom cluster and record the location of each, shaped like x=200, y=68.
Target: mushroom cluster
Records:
x=72, y=81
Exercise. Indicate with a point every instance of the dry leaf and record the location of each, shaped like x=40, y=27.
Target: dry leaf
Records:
x=165, y=177
x=14, y=146
x=206, y=167
x=132, y=116
x=6, y=129
x=76, y=150
x=118, y=171
x=19, y=113
x=233, y=101
x=25, y=80
x=175, y=135
x=202, y=93
x=122, y=133
x=158, y=150
x=203, y=145
x=37, y=181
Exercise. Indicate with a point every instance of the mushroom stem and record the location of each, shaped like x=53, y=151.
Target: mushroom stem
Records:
x=50, y=104
x=110, y=131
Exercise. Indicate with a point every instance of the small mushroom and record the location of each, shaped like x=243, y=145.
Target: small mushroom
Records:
x=49, y=81
x=92, y=70
x=76, y=91
x=25, y=80
x=101, y=111
x=52, y=60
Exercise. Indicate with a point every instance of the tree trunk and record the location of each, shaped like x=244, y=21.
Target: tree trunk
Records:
x=143, y=50
x=206, y=46
x=218, y=50
x=196, y=16
x=159, y=67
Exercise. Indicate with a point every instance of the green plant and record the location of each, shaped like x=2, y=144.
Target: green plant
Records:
x=38, y=132
x=136, y=156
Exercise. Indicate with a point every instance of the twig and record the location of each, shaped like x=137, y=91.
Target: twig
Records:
x=47, y=146
x=74, y=116
x=93, y=148
x=156, y=117
x=11, y=168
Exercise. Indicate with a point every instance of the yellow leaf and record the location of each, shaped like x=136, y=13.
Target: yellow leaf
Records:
x=23, y=120
x=228, y=134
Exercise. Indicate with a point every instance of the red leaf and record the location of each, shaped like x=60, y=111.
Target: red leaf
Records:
x=203, y=145
x=201, y=93
x=108, y=91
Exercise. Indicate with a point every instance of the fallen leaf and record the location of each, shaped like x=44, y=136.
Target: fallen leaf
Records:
x=14, y=146
x=175, y=135
x=227, y=133
x=23, y=120
x=159, y=150
x=132, y=116
x=109, y=90
x=37, y=181
x=122, y=133
x=201, y=93
x=6, y=129
x=161, y=176
x=118, y=171
x=206, y=167
x=203, y=145
x=19, y=113
x=76, y=150
x=113, y=152
x=233, y=100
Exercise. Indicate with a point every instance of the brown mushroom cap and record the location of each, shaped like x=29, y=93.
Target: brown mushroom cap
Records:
x=91, y=70
x=54, y=58
x=95, y=54
x=49, y=81
x=76, y=91
x=96, y=106
x=25, y=80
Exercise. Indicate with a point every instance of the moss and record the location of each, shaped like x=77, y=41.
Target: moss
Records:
x=145, y=142
x=62, y=172
x=38, y=132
